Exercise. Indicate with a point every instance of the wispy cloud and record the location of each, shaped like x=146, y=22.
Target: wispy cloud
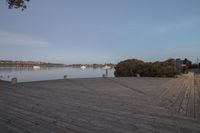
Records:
x=177, y=25
x=7, y=38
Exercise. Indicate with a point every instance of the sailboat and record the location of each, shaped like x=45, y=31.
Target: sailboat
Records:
x=106, y=67
x=83, y=67
x=36, y=67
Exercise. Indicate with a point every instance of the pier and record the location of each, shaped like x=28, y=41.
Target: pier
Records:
x=102, y=105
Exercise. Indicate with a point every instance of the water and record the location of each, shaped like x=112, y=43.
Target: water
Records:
x=30, y=74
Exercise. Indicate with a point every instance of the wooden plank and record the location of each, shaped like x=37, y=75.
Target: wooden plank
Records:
x=94, y=105
x=179, y=99
x=197, y=96
x=190, y=111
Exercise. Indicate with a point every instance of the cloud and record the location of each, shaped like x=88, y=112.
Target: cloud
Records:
x=7, y=38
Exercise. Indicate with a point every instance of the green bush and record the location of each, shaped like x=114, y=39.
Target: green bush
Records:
x=132, y=67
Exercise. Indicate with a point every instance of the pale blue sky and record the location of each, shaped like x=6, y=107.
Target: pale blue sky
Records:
x=99, y=31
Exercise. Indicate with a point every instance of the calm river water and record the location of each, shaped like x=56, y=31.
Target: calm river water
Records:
x=30, y=74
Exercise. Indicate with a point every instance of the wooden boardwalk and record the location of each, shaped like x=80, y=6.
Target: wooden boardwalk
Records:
x=101, y=105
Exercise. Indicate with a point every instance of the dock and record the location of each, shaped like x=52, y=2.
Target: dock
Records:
x=102, y=105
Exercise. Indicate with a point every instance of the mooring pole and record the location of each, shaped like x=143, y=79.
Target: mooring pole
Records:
x=14, y=81
x=106, y=72
x=65, y=76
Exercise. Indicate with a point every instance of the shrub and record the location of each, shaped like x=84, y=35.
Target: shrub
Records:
x=132, y=67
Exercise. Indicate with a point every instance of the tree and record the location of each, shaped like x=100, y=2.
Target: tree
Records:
x=17, y=4
x=128, y=68
x=133, y=67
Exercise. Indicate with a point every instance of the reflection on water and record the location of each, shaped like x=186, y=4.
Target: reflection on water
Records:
x=24, y=74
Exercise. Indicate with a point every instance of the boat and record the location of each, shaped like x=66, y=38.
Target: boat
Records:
x=106, y=67
x=36, y=67
x=83, y=67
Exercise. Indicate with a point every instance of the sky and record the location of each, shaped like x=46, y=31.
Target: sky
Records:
x=100, y=31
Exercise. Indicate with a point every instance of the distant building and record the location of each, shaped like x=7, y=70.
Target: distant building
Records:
x=181, y=66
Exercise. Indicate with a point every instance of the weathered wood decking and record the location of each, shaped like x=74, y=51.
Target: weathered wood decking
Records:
x=99, y=105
